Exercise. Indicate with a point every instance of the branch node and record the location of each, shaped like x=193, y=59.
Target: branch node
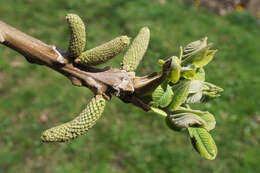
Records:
x=60, y=58
x=75, y=81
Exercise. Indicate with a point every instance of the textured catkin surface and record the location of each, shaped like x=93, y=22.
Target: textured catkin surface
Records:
x=104, y=52
x=77, y=35
x=137, y=50
x=78, y=126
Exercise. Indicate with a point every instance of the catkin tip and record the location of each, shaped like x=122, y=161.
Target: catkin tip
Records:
x=70, y=15
x=47, y=136
x=77, y=35
x=125, y=40
x=145, y=28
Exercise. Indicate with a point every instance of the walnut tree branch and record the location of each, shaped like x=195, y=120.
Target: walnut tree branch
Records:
x=108, y=81
x=37, y=52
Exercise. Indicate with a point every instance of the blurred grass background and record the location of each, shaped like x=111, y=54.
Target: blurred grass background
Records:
x=126, y=139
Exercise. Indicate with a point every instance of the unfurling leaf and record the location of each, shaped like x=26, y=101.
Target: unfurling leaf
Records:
x=203, y=142
x=193, y=73
x=210, y=91
x=195, y=86
x=181, y=92
x=188, y=72
x=194, y=47
x=205, y=115
x=184, y=120
x=198, y=53
x=204, y=59
x=175, y=72
x=161, y=62
x=199, y=75
x=195, y=92
x=194, y=98
x=162, y=96
x=209, y=87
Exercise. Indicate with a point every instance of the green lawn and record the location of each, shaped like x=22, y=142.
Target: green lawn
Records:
x=126, y=139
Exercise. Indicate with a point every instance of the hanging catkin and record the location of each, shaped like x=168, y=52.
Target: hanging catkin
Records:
x=78, y=126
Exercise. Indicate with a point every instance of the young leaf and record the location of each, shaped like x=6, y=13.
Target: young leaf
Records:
x=209, y=87
x=199, y=75
x=194, y=97
x=181, y=92
x=194, y=47
x=175, y=72
x=210, y=91
x=188, y=73
x=205, y=115
x=204, y=59
x=171, y=125
x=195, y=86
x=193, y=73
x=203, y=142
x=162, y=95
x=195, y=92
x=185, y=120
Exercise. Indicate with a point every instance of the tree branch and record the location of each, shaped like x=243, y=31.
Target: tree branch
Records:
x=105, y=81
x=40, y=53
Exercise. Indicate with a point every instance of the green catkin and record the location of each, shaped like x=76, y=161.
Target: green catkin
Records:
x=78, y=126
x=137, y=50
x=104, y=52
x=77, y=35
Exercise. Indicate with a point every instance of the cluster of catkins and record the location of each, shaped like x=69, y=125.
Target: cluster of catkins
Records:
x=95, y=56
x=184, y=85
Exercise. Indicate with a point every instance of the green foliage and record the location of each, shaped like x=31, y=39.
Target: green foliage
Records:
x=175, y=73
x=162, y=96
x=203, y=142
x=181, y=91
x=209, y=119
x=175, y=92
x=169, y=94
x=179, y=121
x=127, y=139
